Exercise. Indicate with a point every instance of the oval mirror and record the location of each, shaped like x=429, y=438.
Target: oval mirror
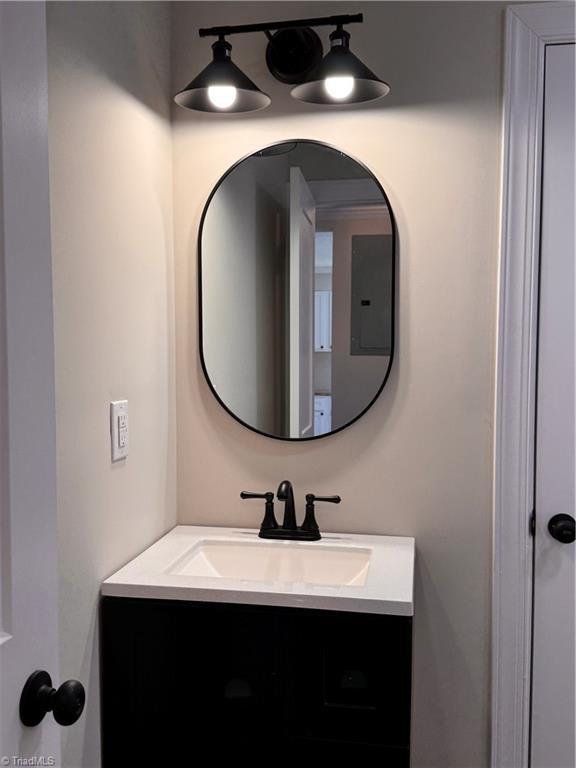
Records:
x=297, y=261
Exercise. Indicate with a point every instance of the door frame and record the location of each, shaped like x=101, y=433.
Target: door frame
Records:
x=529, y=28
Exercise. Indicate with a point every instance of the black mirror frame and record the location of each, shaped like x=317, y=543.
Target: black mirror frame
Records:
x=200, y=301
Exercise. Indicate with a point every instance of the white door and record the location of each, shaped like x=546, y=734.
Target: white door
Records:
x=302, y=244
x=553, y=680
x=322, y=321
x=28, y=561
x=322, y=414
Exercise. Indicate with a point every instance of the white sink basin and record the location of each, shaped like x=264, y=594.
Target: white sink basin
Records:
x=288, y=563
x=342, y=572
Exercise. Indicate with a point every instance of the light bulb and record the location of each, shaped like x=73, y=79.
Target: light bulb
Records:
x=222, y=96
x=339, y=87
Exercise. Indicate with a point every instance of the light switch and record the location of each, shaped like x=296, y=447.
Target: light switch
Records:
x=119, y=429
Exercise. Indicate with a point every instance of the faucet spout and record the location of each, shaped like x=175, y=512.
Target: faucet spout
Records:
x=285, y=493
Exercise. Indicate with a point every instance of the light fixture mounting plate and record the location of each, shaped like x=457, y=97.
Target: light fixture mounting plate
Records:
x=293, y=53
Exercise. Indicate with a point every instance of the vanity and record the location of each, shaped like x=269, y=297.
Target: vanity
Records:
x=217, y=640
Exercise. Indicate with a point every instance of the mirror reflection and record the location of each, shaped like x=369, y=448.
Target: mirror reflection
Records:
x=297, y=290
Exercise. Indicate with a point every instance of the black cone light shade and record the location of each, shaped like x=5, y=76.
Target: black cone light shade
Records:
x=222, y=87
x=340, y=78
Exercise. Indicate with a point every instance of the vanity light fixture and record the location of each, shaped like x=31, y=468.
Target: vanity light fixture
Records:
x=222, y=86
x=293, y=56
x=340, y=77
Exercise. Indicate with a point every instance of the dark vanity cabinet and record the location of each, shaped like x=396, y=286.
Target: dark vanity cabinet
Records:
x=184, y=682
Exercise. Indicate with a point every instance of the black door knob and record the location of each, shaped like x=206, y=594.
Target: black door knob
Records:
x=38, y=697
x=562, y=528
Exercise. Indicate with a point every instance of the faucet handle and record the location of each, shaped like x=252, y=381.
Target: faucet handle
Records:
x=268, y=495
x=310, y=523
x=311, y=498
x=269, y=519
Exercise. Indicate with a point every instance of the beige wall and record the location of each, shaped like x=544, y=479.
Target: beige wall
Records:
x=419, y=463
x=111, y=192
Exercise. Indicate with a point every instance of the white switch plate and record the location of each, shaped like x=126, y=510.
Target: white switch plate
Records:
x=119, y=429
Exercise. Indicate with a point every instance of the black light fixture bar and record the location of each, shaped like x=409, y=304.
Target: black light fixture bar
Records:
x=268, y=26
x=294, y=56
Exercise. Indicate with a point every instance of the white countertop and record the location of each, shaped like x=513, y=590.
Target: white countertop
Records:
x=387, y=589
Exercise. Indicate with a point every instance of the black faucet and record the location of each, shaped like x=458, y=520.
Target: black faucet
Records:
x=270, y=529
x=285, y=493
